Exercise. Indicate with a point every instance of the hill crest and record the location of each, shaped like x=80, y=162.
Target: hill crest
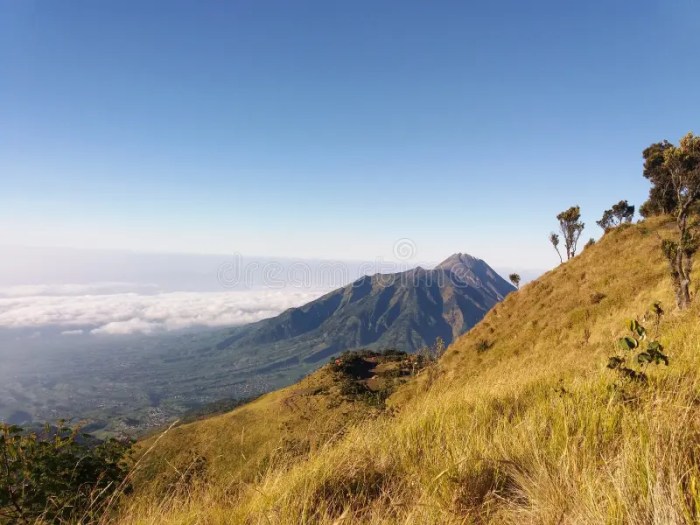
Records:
x=529, y=427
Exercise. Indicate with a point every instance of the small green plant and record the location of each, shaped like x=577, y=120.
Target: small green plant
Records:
x=657, y=312
x=647, y=352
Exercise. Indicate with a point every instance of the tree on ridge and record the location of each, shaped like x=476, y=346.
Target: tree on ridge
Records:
x=571, y=227
x=515, y=279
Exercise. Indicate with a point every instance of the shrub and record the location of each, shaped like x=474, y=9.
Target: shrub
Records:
x=648, y=352
x=620, y=213
x=515, y=279
x=60, y=475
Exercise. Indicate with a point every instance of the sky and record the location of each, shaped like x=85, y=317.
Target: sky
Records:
x=323, y=129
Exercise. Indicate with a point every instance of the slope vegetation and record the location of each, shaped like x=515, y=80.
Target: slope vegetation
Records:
x=277, y=429
x=520, y=421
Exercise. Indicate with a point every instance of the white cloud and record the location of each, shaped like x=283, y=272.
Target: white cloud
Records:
x=129, y=313
x=101, y=288
x=132, y=326
x=73, y=332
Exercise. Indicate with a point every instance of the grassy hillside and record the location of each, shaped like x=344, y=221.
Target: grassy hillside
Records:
x=520, y=422
x=275, y=430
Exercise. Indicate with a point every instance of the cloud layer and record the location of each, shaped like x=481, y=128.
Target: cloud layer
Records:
x=100, y=288
x=82, y=309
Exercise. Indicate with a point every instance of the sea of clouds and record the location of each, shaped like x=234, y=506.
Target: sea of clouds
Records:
x=128, y=308
x=49, y=291
x=82, y=292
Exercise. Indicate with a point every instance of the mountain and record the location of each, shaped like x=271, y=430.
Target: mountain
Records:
x=531, y=427
x=138, y=383
x=406, y=311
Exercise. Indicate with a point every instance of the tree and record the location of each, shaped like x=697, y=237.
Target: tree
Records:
x=623, y=212
x=680, y=184
x=515, y=279
x=620, y=213
x=571, y=227
x=606, y=221
x=662, y=198
x=554, y=239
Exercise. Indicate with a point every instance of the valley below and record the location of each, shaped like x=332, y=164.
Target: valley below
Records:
x=121, y=385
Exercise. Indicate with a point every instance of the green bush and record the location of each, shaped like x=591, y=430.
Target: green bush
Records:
x=647, y=351
x=58, y=475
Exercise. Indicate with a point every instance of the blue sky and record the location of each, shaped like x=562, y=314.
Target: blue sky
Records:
x=333, y=129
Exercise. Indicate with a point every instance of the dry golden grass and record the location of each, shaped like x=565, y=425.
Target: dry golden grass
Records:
x=529, y=430
x=233, y=449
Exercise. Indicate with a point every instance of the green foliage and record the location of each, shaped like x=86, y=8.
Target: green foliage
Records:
x=674, y=172
x=620, y=213
x=653, y=354
x=606, y=222
x=628, y=343
x=571, y=227
x=590, y=243
x=348, y=362
x=649, y=351
x=554, y=239
x=61, y=476
x=669, y=248
x=352, y=369
x=662, y=198
x=515, y=279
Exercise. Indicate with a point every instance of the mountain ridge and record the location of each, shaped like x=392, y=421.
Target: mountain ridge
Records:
x=408, y=309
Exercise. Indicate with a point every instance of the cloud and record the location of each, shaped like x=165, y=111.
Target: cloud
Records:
x=132, y=326
x=132, y=313
x=100, y=288
x=72, y=332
